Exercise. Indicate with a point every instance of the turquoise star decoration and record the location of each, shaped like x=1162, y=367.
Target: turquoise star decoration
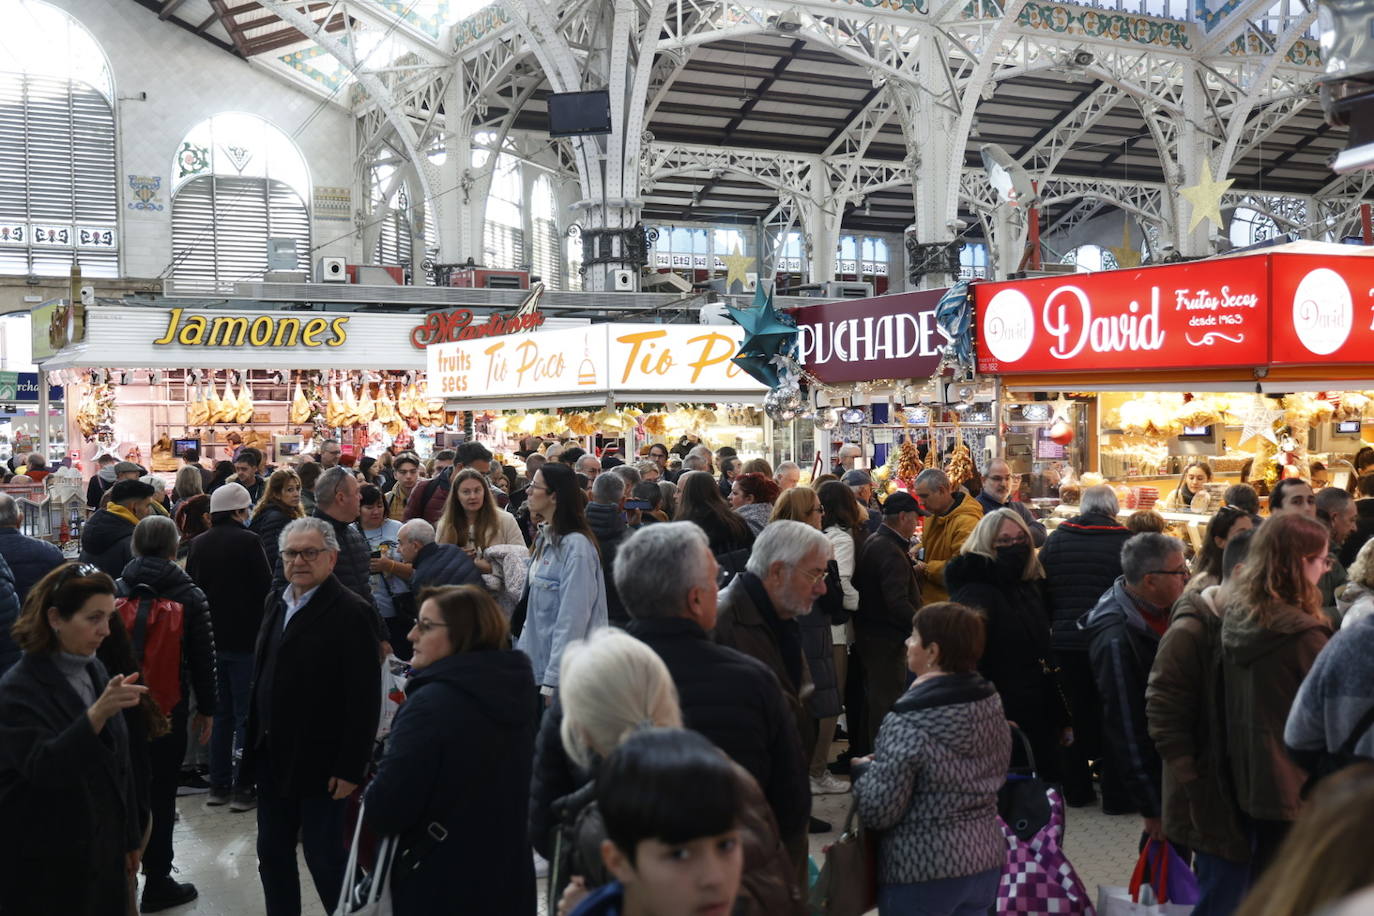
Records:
x=766, y=335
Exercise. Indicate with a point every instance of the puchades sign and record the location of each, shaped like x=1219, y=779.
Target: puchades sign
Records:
x=591, y=359
x=858, y=340
x=1176, y=316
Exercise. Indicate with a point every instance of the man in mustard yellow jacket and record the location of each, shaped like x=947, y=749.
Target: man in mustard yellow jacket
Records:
x=951, y=518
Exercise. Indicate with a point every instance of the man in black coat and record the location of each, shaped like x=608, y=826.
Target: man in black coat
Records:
x=337, y=501
x=1364, y=521
x=313, y=718
x=1082, y=558
x=154, y=574
x=228, y=564
x=433, y=564
x=107, y=534
x=29, y=558
x=889, y=597
x=606, y=518
x=668, y=578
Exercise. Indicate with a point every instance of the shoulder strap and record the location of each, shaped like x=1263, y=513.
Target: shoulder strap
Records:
x=1366, y=720
x=139, y=636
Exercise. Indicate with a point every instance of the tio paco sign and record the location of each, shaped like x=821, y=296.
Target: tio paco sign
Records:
x=603, y=358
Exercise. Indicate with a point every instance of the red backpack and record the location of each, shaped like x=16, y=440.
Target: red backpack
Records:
x=155, y=626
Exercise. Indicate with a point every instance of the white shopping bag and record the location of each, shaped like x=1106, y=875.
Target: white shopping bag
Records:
x=393, y=685
x=1116, y=901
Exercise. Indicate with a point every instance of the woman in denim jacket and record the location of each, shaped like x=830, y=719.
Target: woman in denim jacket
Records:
x=567, y=592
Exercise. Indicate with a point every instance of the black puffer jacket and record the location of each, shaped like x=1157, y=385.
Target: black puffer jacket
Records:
x=107, y=541
x=608, y=524
x=1082, y=558
x=459, y=754
x=442, y=564
x=820, y=658
x=29, y=558
x=10, y=603
x=228, y=564
x=168, y=580
x=267, y=525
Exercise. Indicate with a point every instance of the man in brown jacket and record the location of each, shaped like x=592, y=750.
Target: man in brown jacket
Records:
x=1185, y=710
x=758, y=610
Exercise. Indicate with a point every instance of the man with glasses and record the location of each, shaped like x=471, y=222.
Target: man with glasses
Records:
x=312, y=717
x=330, y=453
x=996, y=494
x=1123, y=632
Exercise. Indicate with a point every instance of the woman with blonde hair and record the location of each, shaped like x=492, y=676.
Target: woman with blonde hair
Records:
x=473, y=521
x=998, y=573
x=1271, y=634
x=799, y=504
x=611, y=687
x=281, y=504
x=188, y=483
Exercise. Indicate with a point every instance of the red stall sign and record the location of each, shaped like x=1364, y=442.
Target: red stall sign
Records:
x=1177, y=316
x=1323, y=309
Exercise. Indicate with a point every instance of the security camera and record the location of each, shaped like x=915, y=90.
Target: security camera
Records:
x=956, y=225
x=789, y=21
x=1082, y=58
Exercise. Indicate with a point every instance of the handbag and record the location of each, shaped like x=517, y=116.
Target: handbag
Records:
x=1037, y=877
x=1023, y=801
x=367, y=893
x=848, y=882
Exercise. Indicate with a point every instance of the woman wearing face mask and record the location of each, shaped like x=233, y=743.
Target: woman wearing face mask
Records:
x=998, y=573
x=1191, y=483
x=473, y=521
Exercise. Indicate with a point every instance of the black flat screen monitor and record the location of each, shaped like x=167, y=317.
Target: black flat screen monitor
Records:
x=182, y=446
x=573, y=114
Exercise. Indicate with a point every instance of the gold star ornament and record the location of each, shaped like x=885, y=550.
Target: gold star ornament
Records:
x=1128, y=255
x=1205, y=196
x=737, y=267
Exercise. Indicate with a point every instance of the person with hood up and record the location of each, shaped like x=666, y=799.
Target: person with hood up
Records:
x=1123, y=633
x=103, y=479
x=998, y=574
x=108, y=533
x=606, y=518
x=950, y=518
x=1355, y=599
x=1082, y=558
x=469, y=691
x=153, y=572
x=1186, y=710
x=1272, y=632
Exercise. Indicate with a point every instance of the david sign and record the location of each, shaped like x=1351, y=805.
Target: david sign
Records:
x=1202, y=314
x=858, y=340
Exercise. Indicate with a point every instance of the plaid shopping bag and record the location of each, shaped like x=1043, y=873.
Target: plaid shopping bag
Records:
x=1037, y=877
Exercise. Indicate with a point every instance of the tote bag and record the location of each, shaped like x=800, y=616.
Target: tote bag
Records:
x=1038, y=878
x=367, y=893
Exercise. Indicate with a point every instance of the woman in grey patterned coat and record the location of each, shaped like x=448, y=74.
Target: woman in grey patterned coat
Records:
x=931, y=784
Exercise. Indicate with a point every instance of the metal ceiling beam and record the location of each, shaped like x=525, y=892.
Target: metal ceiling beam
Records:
x=290, y=36
x=155, y=6
x=168, y=8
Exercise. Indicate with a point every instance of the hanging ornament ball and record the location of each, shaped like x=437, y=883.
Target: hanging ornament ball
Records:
x=827, y=418
x=787, y=414
x=1061, y=433
x=789, y=396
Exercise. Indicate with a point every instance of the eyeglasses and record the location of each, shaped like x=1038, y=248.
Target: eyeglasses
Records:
x=814, y=577
x=1184, y=573
x=1327, y=561
x=1011, y=542
x=424, y=626
x=309, y=554
x=75, y=570
x=998, y=478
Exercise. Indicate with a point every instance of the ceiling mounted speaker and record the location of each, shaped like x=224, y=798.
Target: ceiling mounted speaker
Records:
x=1008, y=177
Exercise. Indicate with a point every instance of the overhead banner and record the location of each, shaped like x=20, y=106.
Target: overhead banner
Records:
x=603, y=358
x=859, y=340
x=1323, y=310
x=1212, y=314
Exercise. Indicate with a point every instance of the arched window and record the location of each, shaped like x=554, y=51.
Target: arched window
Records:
x=59, y=195
x=1250, y=227
x=237, y=182
x=503, y=244
x=548, y=248
x=973, y=261
x=394, y=242
x=1089, y=258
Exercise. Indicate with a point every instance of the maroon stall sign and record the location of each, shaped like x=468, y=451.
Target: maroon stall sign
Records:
x=459, y=324
x=858, y=340
x=1207, y=314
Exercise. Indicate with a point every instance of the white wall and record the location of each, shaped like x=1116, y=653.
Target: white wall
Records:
x=187, y=79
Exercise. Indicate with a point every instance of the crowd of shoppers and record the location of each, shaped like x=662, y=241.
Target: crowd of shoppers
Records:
x=588, y=679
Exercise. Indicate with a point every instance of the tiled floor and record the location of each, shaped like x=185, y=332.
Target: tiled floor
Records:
x=214, y=849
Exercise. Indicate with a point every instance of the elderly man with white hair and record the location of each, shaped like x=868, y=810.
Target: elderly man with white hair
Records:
x=787, y=475
x=588, y=465
x=313, y=717
x=429, y=564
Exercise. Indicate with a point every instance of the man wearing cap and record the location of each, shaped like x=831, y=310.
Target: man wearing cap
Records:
x=107, y=536
x=889, y=596
x=860, y=483
x=996, y=494
x=229, y=565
